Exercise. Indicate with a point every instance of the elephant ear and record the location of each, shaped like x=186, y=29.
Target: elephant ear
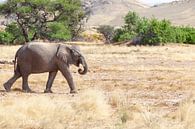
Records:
x=62, y=53
x=75, y=51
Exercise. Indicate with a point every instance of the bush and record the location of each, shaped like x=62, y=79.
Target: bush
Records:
x=132, y=21
x=107, y=31
x=190, y=36
x=15, y=31
x=126, y=36
x=122, y=35
x=58, y=31
x=5, y=38
x=129, y=30
x=153, y=31
x=157, y=32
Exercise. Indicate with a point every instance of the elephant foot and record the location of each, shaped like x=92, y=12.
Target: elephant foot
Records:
x=48, y=91
x=73, y=92
x=27, y=91
x=7, y=87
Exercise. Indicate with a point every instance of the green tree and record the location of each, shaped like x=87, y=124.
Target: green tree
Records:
x=16, y=33
x=131, y=22
x=129, y=30
x=50, y=19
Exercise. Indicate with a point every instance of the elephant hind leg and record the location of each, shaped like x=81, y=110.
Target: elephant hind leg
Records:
x=7, y=85
x=50, y=80
x=25, y=86
x=25, y=69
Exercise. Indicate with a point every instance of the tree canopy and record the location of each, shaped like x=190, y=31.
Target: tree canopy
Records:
x=45, y=19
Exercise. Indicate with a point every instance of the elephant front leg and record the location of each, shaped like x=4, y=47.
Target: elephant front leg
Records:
x=66, y=73
x=50, y=80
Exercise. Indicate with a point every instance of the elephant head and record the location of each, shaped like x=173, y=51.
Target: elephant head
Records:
x=72, y=55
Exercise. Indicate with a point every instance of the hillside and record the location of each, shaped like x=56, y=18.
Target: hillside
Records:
x=112, y=12
x=179, y=12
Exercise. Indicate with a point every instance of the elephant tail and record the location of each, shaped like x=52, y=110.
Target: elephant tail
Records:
x=16, y=60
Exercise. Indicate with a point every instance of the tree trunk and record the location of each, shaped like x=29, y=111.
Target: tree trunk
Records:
x=24, y=31
x=25, y=35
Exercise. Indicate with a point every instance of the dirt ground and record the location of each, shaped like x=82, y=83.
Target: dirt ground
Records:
x=126, y=87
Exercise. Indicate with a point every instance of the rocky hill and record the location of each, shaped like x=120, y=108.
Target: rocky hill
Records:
x=111, y=12
x=179, y=12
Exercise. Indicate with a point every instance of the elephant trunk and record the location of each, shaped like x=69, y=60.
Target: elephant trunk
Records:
x=85, y=67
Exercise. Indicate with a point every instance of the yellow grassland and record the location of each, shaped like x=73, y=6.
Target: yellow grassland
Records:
x=125, y=88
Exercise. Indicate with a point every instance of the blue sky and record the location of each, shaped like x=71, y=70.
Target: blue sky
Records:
x=150, y=2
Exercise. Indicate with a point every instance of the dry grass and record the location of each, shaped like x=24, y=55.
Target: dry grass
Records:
x=52, y=112
x=126, y=88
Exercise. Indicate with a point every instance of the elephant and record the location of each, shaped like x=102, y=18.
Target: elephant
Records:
x=35, y=57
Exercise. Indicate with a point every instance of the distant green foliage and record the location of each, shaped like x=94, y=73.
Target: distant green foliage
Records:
x=153, y=31
x=131, y=22
x=5, y=38
x=125, y=36
x=129, y=30
x=58, y=31
x=16, y=33
x=43, y=19
x=157, y=32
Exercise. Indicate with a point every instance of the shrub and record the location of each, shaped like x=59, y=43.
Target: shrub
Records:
x=123, y=35
x=190, y=36
x=153, y=31
x=131, y=22
x=15, y=31
x=58, y=31
x=5, y=38
x=107, y=31
x=156, y=32
x=126, y=36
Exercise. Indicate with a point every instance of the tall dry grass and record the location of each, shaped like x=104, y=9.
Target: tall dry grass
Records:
x=143, y=117
x=44, y=112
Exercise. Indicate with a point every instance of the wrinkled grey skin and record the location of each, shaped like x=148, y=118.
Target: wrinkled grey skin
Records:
x=35, y=58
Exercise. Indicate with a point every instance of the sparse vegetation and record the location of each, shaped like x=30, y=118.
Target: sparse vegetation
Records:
x=92, y=36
